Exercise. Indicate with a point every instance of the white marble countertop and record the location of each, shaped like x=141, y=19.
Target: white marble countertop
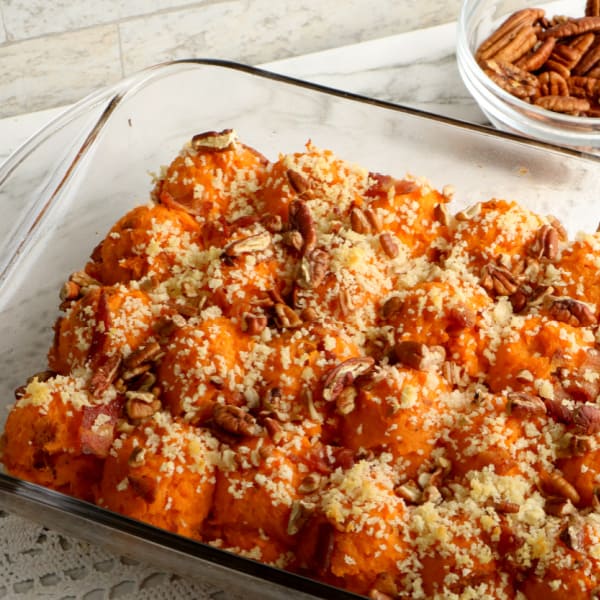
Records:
x=417, y=69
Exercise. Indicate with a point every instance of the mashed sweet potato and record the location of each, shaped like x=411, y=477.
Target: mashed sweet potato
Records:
x=324, y=369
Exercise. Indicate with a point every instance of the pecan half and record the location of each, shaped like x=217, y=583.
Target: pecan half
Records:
x=589, y=60
x=573, y=312
x=252, y=243
x=585, y=87
x=359, y=221
x=498, y=280
x=508, y=31
x=144, y=354
x=521, y=404
x=312, y=269
x=214, y=141
x=298, y=182
x=419, y=356
x=563, y=104
x=535, y=60
x=301, y=219
x=389, y=245
x=344, y=375
x=235, y=420
x=572, y=27
x=553, y=84
x=592, y=8
x=509, y=77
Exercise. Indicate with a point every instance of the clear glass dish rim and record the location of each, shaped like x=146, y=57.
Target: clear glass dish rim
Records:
x=509, y=102
x=111, y=97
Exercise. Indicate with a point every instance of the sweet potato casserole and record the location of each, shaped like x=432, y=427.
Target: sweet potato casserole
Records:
x=324, y=369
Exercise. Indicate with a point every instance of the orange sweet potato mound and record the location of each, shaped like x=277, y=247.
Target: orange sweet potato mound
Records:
x=322, y=368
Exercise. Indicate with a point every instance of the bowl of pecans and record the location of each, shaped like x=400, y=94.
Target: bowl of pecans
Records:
x=535, y=71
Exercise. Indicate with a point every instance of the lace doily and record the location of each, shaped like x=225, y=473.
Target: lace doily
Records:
x=36, y=562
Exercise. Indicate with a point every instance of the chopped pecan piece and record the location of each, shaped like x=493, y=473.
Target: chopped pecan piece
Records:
x=385, y=584
x=272, y=223
x=389, y=245
x=143, y=486
x=235, y=420
x=521, y=404
x=498, y=280
x=344, y=375
x=392, y=306
x=141, y=405
x=558, y=507
x=297, y=181
x=359, y=222
x=572, y=534
x=214, y=141
x=586, y=418
x=144, y=354
x=253, y=243
x=286, y=317
x=254, y=324
x=573, y=312
x=310, y=484
x=345, y=402
x=69, y=291
x=293, y=239
x=410, y=492
x=417, y=355
x=554, y=484
x=299, y=515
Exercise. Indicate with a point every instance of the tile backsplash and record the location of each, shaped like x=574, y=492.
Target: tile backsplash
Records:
x=54, y=52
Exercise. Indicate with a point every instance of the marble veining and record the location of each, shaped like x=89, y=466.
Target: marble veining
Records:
x=36, y=34
x=33, y=18
x=35, y=75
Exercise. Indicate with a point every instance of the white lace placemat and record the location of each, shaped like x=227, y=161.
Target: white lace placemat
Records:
x=36, y=562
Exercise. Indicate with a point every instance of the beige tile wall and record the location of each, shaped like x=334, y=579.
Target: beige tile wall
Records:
x=54, y=52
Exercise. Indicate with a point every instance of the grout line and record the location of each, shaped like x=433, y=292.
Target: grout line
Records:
x=117, y=22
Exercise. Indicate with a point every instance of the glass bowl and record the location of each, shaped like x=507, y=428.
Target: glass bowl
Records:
x=477, y=20
x=63, y=189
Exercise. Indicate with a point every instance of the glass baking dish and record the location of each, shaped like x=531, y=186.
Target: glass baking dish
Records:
x=63, y=189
